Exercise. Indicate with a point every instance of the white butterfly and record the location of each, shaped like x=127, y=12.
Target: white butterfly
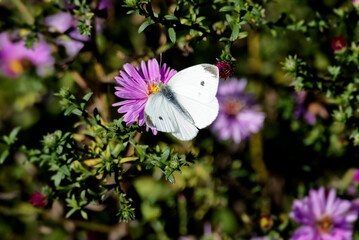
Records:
x=187, y=103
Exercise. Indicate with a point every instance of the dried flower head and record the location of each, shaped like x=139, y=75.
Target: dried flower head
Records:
x=225, y=69
x=339, y=44
x=37, y=200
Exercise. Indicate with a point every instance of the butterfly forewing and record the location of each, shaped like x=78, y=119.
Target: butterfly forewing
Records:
x=199, y=82
x=159, y=113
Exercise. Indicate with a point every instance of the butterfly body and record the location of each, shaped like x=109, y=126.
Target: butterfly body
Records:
x=187, y=103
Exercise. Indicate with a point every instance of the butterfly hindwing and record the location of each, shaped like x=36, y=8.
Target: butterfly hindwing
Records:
x=186, y=132
x=203, y=114
x=163, y=115
x=199, y=82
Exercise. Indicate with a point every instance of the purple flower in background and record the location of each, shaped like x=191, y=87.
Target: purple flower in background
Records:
x=37, y=200
x=301, y=110
x=137, y=84
x=308, y=108
x=323, y=216
x=15, y=57
x=66, y=23
x=355, y=3
x=238, y=113
x=261, y=238
x=59, y=22
x=103, y=10
x=62, y=22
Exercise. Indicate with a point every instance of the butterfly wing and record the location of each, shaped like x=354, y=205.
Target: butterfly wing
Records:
x=203, y=114
x=159, y=113
x=162, y=114
x=199, y=82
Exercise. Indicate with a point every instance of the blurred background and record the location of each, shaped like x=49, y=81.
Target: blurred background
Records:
x=234, y=189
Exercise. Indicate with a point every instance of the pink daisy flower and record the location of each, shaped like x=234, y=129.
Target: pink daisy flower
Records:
x=136, y=85
x=323, y=216
x=15, y=57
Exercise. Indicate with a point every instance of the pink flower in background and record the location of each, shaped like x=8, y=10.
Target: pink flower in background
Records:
x=38, y=200
x=323, y=216
x=356, y=176
x=225, y=69
x=15, y=57
x=238, y=114
x=339, y=44
x=136, y=85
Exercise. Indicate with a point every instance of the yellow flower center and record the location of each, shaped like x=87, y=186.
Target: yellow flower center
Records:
x=264, y=222
x=152, y=88
x=16, y=66
x=325, y=224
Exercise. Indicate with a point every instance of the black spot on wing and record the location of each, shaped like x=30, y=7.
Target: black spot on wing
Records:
x=149, y=121
x=160, y=118
x=202, y=83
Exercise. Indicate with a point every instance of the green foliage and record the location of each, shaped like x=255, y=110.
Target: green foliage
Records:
x=191, y=18
x=84, y=16
x=76, y=166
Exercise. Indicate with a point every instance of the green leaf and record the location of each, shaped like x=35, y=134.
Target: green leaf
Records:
x=14, y=133
x=170, y=17
x=3, y=156
x=144, y=25
x=172, y=35
x=242, y=35
x=229, y=19
x=171, y=178
x=235, y=31
x=84, y=214
x=69, y=109
x=72, y=211
x=165, y=155
x=57, y=178
x=223, y=39
x=200, y=19
x=227, y=9
x=87, y=96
